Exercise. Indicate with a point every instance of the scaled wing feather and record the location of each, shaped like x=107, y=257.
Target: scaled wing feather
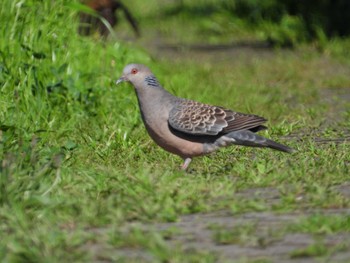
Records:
x=202, y=119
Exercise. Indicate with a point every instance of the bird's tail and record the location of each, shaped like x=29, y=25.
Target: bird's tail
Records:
x=248, y=138
x=278, y=146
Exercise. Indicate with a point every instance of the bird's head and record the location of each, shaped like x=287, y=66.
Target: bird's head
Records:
x=134, y=73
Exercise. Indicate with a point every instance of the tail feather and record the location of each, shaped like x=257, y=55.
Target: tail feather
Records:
x=248, y=138
x=278, y=146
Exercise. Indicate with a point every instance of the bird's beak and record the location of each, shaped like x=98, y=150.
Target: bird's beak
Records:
x=120, y=80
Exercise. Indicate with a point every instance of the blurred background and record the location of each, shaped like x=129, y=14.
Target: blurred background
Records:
x=285, y=23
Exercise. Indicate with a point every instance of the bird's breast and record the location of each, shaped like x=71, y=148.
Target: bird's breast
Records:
x=170, y=142
x=155, y=112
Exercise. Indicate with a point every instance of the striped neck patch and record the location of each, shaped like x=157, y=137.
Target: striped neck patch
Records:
x=152, y=81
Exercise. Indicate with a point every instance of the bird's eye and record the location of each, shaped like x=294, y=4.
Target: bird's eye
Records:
x=134, y=71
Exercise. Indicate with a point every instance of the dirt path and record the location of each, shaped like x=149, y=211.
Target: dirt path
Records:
x=248, y=237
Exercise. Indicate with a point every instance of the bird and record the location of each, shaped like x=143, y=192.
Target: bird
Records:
x=188, y=128
x=107, y=9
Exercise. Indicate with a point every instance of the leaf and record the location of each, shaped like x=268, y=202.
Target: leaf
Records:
x=70, y=145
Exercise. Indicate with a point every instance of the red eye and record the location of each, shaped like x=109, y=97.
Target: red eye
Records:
x=134, y=71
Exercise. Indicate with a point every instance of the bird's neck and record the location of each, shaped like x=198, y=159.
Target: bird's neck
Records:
x=155, y=103
x=153, y=98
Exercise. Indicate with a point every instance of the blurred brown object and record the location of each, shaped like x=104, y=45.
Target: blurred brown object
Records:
x=106, y=9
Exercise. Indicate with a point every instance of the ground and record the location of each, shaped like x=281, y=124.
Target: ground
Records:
x=266, y=236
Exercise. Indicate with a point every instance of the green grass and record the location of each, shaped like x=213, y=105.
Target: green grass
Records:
x=75, y=156
x=317, y=250
x=251, y=234
x=242, y=234
x=322, y=225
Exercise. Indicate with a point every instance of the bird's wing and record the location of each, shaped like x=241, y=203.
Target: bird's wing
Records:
x=197, y=118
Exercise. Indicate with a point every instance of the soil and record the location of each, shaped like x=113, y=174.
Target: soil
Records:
x=269, y=241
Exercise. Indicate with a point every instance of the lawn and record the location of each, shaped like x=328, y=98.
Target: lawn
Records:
x=81, y=181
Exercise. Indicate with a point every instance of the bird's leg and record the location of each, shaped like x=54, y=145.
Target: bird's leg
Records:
x=186, y=163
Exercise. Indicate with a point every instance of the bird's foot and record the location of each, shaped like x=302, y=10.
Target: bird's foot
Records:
x=185, y=164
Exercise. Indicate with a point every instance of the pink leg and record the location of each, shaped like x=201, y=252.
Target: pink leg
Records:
x=186, y=163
